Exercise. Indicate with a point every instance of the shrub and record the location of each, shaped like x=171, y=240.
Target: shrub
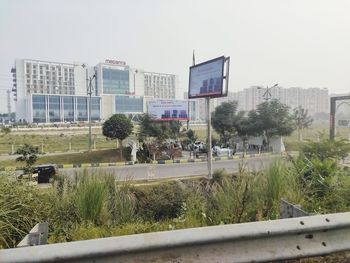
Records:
x=327, y=149
x=162, y=201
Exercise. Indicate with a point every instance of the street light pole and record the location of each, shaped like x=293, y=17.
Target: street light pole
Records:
x=135, y=72
x=90, y=88
x=267, y=94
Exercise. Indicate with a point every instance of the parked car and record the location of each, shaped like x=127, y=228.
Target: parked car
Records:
x=45, y=172
x=218, y=151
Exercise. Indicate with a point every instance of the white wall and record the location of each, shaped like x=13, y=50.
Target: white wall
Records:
x=21, y=104
x=80, y=76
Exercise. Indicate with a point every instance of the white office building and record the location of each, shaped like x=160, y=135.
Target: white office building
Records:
x=45, y=81
x=57, y=92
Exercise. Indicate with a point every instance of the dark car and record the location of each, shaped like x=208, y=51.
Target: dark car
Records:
x=45, y=172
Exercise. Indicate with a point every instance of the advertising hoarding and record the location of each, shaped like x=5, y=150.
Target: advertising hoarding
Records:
x=206, y=79
x=167, y=110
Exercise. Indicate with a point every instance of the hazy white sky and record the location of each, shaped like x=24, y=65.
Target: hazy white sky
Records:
x=291, y=42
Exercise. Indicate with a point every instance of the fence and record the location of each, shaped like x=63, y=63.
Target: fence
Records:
x=248, y=242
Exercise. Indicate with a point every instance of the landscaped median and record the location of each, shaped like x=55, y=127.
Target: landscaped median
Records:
x=86, y=165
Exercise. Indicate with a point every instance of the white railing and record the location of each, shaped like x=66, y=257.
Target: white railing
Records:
x=248, y=242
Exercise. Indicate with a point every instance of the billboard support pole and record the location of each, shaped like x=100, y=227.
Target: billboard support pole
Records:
x=210, y=167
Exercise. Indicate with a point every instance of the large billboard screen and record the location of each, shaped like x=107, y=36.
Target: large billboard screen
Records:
x=167, y=110
x=206, y=79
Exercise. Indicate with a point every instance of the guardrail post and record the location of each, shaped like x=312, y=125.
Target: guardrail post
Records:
x=37, y=236
x=288, y=210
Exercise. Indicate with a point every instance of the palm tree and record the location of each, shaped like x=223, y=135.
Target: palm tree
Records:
x=302, y=120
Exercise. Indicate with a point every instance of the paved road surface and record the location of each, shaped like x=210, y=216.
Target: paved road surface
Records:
x=162, y=171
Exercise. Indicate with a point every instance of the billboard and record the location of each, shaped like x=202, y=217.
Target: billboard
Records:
x=206, y=79
x=167, y=110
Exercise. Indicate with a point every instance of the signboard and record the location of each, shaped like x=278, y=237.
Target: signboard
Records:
x=167, y=110
x=206, y=79
x=115, y=62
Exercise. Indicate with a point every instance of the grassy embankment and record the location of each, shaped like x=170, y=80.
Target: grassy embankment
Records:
x=97, y=206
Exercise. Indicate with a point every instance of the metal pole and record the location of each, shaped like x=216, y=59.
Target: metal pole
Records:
x=90, y=93
x=332, y=119
x=210, y=168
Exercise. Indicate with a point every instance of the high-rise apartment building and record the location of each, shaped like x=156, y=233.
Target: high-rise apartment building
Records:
x=315, y=100
x=160, y=85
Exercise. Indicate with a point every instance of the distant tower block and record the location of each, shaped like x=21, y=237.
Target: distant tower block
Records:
x=9, y=102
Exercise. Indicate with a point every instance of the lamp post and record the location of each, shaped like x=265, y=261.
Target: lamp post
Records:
x=135, y=72
x=267, y=94
x=89, y=92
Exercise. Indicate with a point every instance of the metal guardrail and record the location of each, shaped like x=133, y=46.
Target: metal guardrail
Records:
x=248, y=242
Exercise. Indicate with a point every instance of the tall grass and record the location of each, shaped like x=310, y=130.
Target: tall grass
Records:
x=21, y=207
x=91, y=206
x=273, y=184
x=90, y=197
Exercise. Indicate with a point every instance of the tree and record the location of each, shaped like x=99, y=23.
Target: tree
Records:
x=29, y=154
x=271, y=119
x=191, y=135
x=158, y=129
x=148, y=128
x=302, y=120
x=175, y=127
x=118, y=126
x=225, y=120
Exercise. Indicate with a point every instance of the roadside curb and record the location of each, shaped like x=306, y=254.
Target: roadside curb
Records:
x=85, y=165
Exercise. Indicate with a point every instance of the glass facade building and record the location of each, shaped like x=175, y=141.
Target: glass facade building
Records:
x=115, y=81
x=95, y=108
x=128, y=104
x=39, y=108
x=54, y=108
x=68, y=108
x=82, y=109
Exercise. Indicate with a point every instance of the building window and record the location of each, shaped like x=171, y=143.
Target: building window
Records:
x=82, y=112
x=68, y=108
x=39, y=108
x=115, y=81
x=54, y=109
x=128, y=104
x=95, y=108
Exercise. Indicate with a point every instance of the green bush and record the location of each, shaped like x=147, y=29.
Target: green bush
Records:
x=159, y=202
x=327, y=149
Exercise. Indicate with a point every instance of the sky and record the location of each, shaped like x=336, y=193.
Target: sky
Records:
x=302, y=43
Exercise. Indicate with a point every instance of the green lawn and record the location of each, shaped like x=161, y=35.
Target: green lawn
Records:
x=100, y=156
x=54, y=142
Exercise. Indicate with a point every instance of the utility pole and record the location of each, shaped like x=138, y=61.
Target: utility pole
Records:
x=210, y=162
x=267, y=94
x=89, y=92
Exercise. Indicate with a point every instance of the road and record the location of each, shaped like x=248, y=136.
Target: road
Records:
x=163, y=171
